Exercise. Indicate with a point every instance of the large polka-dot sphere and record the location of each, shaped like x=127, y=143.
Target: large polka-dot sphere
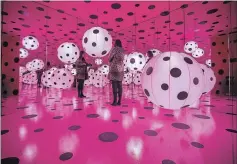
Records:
x=30, y=43
x=68, y=52
x=190, y=47
x=30, y=78
x=99, y=80
x=198, y=53
x=22, y=70
x=98, y=61
x=104, y=69
x=23, y=53
x=127, y=78
x=172, y=80
x=209, y=78
x=137, y=79
x=74, y=71
x=37, y=64
x=208, y=62
x=46, y=78
x=97, y=42
x=135, y=61
x=62, y=79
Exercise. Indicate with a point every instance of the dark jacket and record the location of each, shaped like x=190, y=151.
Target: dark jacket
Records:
x=81, y=67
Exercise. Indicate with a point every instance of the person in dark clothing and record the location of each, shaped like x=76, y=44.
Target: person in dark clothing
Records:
x=150, y=55
x=116, y=71
x=82, y=73
x=39, y=75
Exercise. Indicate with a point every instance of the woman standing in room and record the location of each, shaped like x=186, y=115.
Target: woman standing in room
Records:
x=82, y=73
x=116, y=71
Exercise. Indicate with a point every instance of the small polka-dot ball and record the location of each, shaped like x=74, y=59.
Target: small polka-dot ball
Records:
x=29, y=66
x=190, y=47
x=172, y=80
x=99, y=79
x=68, y=52
x=98, y=61
x=198, y=53
x=208, y=62
x=137, y=78
x=97, y=42
x=37, y=64
x=30, y=43
x=155, y=52
x=23, y=53
x=46, y=78
x=209, y=78
x=104, y=69
x=62, y=79
x=30, y=78
x=135, y=61
x=74, y=71
x=127, y=78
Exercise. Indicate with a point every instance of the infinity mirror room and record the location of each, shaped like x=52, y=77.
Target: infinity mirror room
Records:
x=119, y=82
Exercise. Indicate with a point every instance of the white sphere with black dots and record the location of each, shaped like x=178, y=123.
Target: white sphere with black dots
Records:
x=155, y=52
x=22, y=70
x=198, y=53
x=30, y=78
x=29, y=66
x=190, y=47
x=97, y=42
x=46, y=78
x=127, y=78
x=104, y=69
x=74, y=71
x=99, y=79
x=209, y=79
x=62, y=79
x=23, y=53
x=30, y=43
x=137, y=79
x=37, y=64
x=68, y=52
x=208, y=62
x=172, y=80
x=98, y=61
x=135, y=61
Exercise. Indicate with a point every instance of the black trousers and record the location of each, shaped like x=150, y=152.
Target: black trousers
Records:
x=117, y=90
x=80, y=86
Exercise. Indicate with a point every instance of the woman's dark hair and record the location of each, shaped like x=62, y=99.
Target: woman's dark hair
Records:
x=118, y=43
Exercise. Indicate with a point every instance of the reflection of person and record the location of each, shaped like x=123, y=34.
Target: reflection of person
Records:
x=116, y=71
x=39, y=75
x=82, y=73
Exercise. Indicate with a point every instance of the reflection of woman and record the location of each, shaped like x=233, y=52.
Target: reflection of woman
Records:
x=82, y=73
x=116, y=71
x=39, y=75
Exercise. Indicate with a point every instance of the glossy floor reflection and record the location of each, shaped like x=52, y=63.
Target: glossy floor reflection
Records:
x=53, y=126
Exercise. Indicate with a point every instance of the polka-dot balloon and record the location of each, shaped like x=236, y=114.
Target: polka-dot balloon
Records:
x=104, y=69
x=135, y=61
x=127, y=78
x=155, y=52
x=74, y=71
x=30, y=43
x=208, y=62
x=209, y=79
x=190, y=47
x=137, y=78
x=30, y=78
x=23, y=53
x=68, y=52
x=22, y=70
x=62, y=78
x=46, y=78
x=97, y=42
x=198, y=53
x=169, y=77
x=99, y=80
x=98, y=61
x=37, y=64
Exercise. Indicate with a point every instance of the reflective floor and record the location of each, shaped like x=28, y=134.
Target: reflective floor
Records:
x=51, y=126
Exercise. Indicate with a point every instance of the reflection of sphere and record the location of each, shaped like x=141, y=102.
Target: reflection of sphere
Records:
x=30, y=43
x=136, y=61
x=30, y=78
x=37, y=64
x=23, y=53
x=99, y=80
x=104, y=69
x=68, y=52
x=209, y=79
x=190, y=47
x=169, y=81
x=208, y=62
x=198, y=53
x=97, y=42
x=22, y=70
x=135, y=147
x=62, y=78
x=137, y=78
x=98, y=61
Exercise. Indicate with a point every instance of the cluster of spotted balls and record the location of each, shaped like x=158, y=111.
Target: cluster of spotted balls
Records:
x=192, y=47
